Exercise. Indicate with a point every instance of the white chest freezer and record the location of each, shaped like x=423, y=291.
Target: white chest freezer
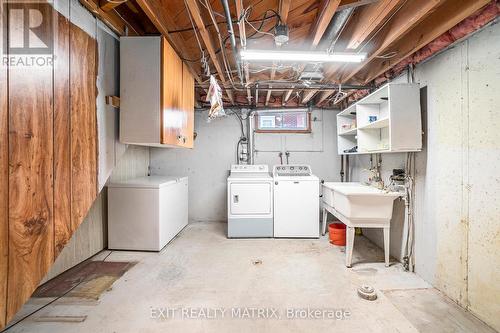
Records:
x=146, y=213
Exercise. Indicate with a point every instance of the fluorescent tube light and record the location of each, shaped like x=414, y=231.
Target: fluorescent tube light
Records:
x=284, y=56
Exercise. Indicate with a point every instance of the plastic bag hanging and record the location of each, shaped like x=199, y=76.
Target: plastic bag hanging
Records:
x=214, y=96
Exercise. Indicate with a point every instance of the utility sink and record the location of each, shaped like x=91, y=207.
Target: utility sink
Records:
x=359, y=205
x=359, y=202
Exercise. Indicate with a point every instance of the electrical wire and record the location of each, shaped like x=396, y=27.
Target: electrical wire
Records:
x=222, y=46
x=382, y=26
x=220, y=22
x=202, y=52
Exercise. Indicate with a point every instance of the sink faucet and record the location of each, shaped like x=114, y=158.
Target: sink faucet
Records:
x=375, y=180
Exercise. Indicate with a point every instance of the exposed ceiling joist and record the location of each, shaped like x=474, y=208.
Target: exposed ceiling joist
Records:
x=284, y=9
x=111, y=18
x=308, y=95
x=323, y=96
x=371, y=18
x=209, y=45
x=325, y=14
x=107, y=5
x=161, y=19
x=286, y=96
x=241, y=28
x=273, y=73
x=434, y=25
x=401, y=23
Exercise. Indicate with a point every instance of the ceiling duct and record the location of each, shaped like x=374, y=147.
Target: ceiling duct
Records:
x=334, y=29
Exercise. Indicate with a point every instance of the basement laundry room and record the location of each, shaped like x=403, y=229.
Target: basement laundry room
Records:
x=250, y=166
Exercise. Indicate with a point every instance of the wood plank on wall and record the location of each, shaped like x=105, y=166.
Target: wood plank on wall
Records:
x=187, y=106
x=31, y=227
x=4, y=184
x=83, y=64
x=62, y=166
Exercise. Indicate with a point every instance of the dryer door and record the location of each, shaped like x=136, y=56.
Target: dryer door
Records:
x=250, y=198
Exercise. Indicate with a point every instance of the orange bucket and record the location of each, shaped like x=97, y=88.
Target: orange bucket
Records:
x=336, y=232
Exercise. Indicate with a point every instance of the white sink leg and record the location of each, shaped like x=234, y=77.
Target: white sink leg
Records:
x=323, y=225
x=387, y=237
x=349, y=246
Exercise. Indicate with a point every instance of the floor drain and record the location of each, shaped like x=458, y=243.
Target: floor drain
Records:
x=367, y=292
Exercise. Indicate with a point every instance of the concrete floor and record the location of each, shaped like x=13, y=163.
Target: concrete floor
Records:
x=204, y=272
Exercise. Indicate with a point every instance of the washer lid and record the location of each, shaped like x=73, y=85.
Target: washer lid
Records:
x=148, y=182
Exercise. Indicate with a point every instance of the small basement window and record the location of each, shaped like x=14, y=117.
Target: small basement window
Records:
x=283, y=122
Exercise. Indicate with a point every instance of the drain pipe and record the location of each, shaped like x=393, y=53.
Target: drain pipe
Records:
x=230, y=31
x=251, y=135
x=342, y=168
x=347, y=176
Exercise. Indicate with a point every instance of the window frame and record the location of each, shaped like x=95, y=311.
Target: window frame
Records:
x=307, y=130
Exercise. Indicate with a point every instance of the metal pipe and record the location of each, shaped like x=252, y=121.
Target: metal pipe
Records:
x=250, y=134
x=282, y=86
x=232, y=39
x=342, y=168
x=347, y=174
x=256, y=95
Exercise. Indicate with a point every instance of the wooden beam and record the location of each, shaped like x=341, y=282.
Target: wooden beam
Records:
x=243, y=42
x=205, y=36
x=410, y=15
x=441, y=20
x=370, y=19
x=207, y=40
x=273, y=73
x=323, y=96
x=111, y=19
x=284, y=10
x=325, y=15
x=107, y=5
x=160, y=18
x=286, y=96
x=308, y=95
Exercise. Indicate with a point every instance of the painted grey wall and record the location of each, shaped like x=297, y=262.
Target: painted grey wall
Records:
x=214, y=151
x=457, y=228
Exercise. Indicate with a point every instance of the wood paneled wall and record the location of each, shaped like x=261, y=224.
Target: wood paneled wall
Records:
x=48, y=156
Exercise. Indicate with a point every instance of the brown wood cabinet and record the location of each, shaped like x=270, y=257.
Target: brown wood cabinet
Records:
x=156, y=94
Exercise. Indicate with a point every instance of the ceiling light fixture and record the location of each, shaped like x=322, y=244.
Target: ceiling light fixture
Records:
x=284, y=56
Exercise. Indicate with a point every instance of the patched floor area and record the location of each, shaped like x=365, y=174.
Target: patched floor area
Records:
x=203, y=281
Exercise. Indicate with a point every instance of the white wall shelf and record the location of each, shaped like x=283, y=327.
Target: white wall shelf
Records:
x=352, y=131
x=381, y=123
x=386, y=121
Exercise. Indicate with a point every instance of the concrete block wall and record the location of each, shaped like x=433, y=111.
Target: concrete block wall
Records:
x=457, y=229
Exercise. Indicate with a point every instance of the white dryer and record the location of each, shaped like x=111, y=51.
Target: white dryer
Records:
x=296, y=202
x=249, y=202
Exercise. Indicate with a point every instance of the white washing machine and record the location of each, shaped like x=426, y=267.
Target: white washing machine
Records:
x=249, y=202
x=296, y=202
